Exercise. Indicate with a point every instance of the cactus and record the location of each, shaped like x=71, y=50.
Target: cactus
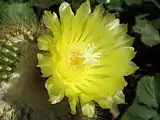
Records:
x=9, y=56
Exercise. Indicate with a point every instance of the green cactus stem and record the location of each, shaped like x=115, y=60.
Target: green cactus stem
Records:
x=9, y=56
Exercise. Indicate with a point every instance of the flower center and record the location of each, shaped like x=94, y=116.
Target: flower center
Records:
x=75, y=60
x=80, y=56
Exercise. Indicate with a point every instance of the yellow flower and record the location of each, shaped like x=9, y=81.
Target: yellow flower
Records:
x=86, y=57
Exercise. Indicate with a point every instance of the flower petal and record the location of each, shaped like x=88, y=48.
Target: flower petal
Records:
x=109, y=17
x=66, y=16
x=71, y=90
x=86, y=97
x=78, y=22
x=73, y=102
x=52, y=22
x=88, y=109
x=93, y=26
x=84, y=9
x=98, y=11
x=118, y=98
x=56, y=94
x=45, y=63
x=117, y=63
x=44, y=42
x=65, y=10
x=56, y=98
x=108, y=86
x=105, y=103
x=123, y=66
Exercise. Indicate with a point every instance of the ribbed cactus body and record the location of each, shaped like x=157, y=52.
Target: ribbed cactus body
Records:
x=9, y=56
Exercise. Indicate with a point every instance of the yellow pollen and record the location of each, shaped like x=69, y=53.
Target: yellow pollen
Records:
x=75, y=60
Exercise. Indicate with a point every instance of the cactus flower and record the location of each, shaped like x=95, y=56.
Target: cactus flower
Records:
x=86, y=57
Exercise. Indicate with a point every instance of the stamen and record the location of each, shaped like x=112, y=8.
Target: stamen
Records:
x=87, y=56
x=90, y=56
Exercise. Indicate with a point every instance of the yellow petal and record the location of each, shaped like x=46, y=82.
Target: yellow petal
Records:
x=98, y=11
x=119, y=98
x=78, y=22
x=45, y=63
x=52, y=22
x=73, y=102
x=88, y=109
x=85, y=85
x=84, y=9
x=66, y=16
x=109, y=100
x=65, y=10
x=44, y=42
x=130, y=69
x=114, y=33
x=105, y=103
x=56, y=93
x=71, y=90
x=93, y=26
x=128, y=40
x=117, y=63
x=124, y=41
x=113, y=70
x=56, y=98
x=86, y=97
x=107, y=86
x=109, y=17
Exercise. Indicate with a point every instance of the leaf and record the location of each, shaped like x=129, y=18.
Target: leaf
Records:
x=45, y=3
x=16, y=1
x=142, y=16
x=18, y=13
x=103, y=1
x=114, y=5
x=3, y=5
x=149, y=34
x=156, y=23
x=130, y=2
x=146, y=103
